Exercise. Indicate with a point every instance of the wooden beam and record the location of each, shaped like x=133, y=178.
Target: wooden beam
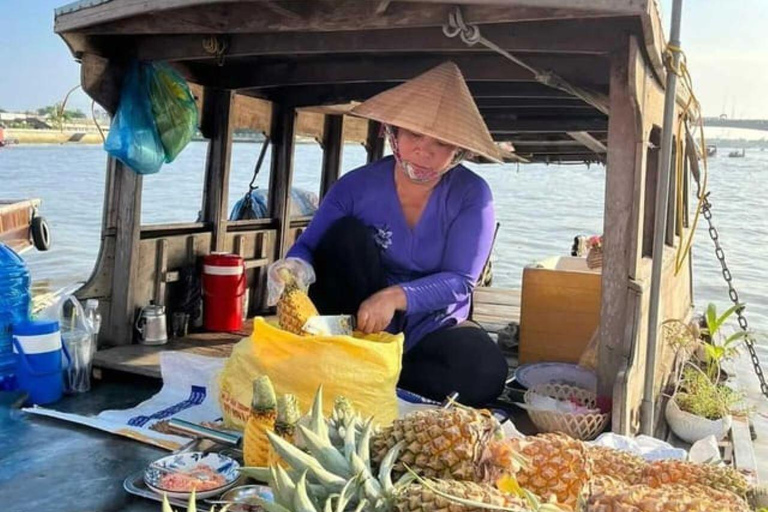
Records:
x=374, y=146
x=217, y=116
x=586, y=36
x=620, y=227
x=498, y=124
x=281, y=174
x=125, y=209
x=587, y=71
x=206, y=17
x=102, y=80
x=589, y=141
x=333, y=147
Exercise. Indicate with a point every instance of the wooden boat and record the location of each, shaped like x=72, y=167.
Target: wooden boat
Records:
x=737, y=154
x=21, y=227
x=591, y=90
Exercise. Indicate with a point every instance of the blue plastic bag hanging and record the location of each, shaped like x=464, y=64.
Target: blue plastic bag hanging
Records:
x=173, y=107
x=133, y=138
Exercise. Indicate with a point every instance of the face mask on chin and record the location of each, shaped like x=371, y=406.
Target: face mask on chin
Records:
x=412, y=172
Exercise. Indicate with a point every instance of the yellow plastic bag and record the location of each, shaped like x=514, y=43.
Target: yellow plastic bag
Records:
x=364, y=369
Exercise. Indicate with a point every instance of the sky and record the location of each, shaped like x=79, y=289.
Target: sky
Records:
x=725, y=41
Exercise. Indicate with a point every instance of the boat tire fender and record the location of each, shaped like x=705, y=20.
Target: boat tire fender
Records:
x=41, y=233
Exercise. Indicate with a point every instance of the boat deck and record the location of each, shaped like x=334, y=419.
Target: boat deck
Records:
x=494, y=308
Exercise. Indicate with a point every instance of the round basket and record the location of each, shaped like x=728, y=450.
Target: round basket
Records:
x=595, y=258
x=580, y=426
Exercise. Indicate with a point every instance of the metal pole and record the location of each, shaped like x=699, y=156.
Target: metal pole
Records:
x=647, y=422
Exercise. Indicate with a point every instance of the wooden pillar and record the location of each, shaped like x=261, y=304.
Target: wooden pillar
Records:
x=374, y=145
x=620, y=221
x=217, y=127
x=281, y=174
x=125, y=216
x=333, y=147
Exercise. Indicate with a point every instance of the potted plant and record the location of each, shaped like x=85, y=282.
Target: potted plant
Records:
x=702, y=403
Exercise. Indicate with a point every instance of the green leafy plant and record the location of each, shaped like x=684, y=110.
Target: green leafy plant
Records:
x=698, y=395
x=718, y=351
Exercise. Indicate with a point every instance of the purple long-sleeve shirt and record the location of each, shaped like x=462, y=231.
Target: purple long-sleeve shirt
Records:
x=438, y=261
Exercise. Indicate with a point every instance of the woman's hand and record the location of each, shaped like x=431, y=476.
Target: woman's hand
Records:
x=376, y=311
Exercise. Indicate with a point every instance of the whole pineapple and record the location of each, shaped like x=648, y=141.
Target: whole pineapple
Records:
x=431, y=496
x=667, y=498
x=618, y=464
x=457, y=443
x=558, y=467
x=256, y=447
x=294, y=307
x=666, y=472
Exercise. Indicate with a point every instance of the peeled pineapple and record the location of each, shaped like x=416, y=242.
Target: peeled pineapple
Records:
x=256, y=447
x=288, y=415
x=668, y=498
x=666, y=472
x=618, y=464
x=294, y=307
x=458, y=444
x=558, y=467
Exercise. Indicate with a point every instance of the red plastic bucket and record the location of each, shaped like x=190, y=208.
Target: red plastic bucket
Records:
x=224, y=284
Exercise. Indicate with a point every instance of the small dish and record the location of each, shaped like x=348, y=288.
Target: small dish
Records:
x=241, y=497
x=219, y=467
x=533, y=374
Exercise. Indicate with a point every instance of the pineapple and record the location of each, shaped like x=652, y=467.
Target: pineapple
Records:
x=665, y=472
x=288, y=415
x=558, y=467
x=624, y=466
x=313, y=483
x=458, y=444
x=294, y=306
x=340, y=478
x=669, y=498
x=256, y=448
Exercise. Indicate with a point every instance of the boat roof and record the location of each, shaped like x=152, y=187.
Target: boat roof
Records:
x=308, y=53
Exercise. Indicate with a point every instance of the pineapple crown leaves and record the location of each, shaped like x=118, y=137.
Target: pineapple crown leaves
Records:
x=263, y=395
x=531, y=498
x=191, y=504
x=288, y=412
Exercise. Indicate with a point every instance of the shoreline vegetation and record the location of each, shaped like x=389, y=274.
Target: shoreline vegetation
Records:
x=69, y=136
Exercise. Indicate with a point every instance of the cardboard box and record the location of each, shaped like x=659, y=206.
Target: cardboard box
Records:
x=559, y=310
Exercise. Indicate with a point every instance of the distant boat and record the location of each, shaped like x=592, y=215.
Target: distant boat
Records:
x=711, y=150
x=737, y=154
x=21, y=227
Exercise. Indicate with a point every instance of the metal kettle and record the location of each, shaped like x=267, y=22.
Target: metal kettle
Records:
x=151, y=325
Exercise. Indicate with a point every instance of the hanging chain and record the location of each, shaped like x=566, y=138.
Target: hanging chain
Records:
x=732, y=293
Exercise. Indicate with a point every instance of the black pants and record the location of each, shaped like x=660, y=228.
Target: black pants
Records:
x=461, y=358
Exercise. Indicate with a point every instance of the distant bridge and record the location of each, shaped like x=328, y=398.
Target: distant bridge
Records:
x=752, y=124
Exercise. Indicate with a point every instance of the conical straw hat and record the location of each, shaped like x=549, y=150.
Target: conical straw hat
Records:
x=438, y=104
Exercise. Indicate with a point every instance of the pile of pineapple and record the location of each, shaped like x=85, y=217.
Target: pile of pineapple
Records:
x=457, y=460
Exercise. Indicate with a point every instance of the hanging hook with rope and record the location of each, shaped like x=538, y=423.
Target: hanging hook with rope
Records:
x=470, y=34
x=692, y=112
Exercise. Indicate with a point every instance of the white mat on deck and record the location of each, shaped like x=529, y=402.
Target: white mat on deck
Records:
x=189, y=392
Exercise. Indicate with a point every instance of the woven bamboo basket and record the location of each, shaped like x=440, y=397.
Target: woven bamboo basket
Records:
x=580, y=426
x=595, y=258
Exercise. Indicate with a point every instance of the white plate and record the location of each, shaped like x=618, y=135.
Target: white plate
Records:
x=221, y=464
x=529, y=375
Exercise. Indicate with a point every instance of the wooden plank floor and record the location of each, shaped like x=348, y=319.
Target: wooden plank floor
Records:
x=145, y=360
x=494, y=308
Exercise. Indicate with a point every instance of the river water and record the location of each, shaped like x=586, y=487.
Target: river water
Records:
x=540, y=208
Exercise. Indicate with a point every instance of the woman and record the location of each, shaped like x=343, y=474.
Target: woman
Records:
x=401, y=242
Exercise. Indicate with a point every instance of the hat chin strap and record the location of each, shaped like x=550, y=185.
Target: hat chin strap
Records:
x=409, y=170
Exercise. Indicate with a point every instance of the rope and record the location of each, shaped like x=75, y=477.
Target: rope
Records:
x=691, y=112
x=216, y=46
x=470, y=35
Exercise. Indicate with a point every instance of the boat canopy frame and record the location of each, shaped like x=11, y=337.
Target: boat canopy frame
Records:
x=288, y=67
